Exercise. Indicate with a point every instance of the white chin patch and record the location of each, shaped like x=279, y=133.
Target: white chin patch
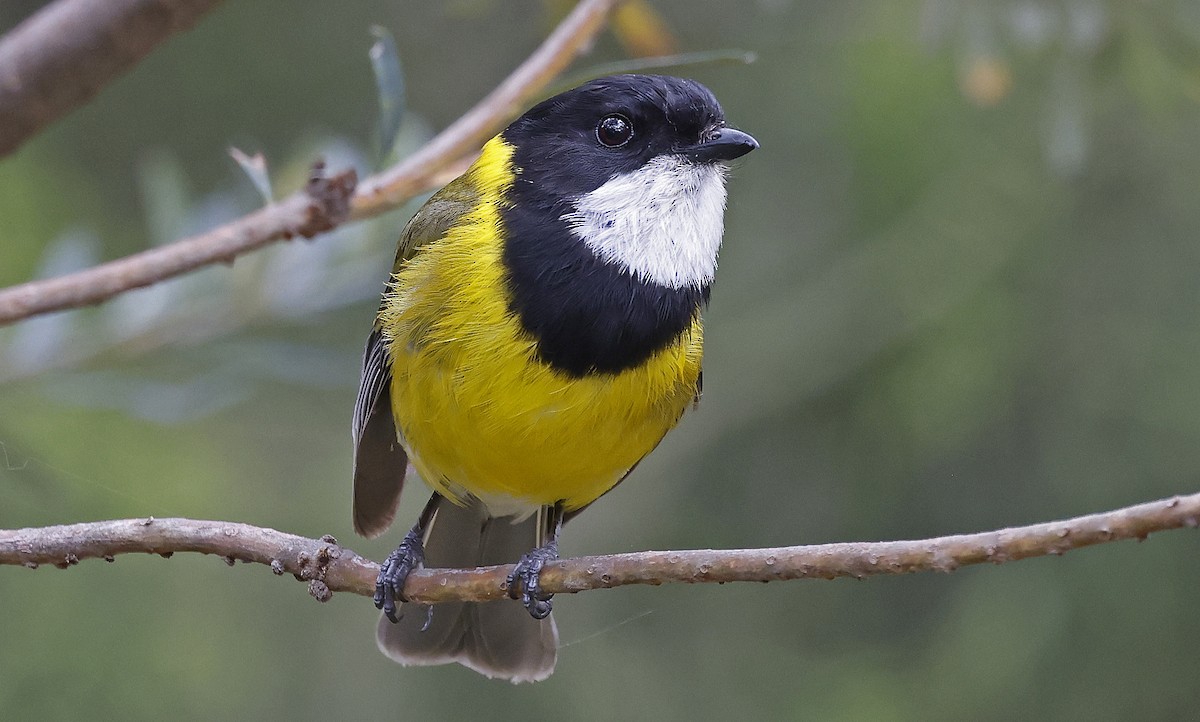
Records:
x=662, y=222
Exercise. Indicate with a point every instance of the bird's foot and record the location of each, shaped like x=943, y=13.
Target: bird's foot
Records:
x=389, y=586
x=524, y=582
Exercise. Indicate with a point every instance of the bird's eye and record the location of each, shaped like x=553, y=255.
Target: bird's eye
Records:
x=614, y=130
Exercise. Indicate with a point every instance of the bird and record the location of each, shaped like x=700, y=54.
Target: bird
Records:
x=540, y=333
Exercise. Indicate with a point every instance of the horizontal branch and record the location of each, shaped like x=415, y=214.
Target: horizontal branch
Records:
x=63, y=54
x=329, y=567
x=375, y=195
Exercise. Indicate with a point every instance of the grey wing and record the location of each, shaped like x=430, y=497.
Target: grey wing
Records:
x=379, y=458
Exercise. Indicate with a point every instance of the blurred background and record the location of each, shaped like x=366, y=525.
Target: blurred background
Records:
x=958, y=292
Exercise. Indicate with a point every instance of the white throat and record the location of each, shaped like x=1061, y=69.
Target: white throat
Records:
x=662, y=222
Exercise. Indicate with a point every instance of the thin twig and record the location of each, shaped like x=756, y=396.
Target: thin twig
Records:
x=321, y=206
x=375, y=195
x=572, y=37
x=63, y=54
x=329, y=567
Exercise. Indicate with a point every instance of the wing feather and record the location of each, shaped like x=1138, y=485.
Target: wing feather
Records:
x=380, y=461
x=379, y=458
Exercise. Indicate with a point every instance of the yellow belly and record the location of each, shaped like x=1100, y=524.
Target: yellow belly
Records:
x=479, y=413
x=490, y=420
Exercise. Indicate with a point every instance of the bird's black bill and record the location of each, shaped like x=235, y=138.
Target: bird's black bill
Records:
x=724, y=144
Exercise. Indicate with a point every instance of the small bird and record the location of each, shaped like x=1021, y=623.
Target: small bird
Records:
x=540, y=333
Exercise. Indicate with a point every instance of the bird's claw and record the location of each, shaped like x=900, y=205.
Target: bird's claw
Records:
x=389, y=585
x=525, y=584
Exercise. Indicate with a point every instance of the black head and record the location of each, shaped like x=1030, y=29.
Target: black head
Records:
x=587, y=309
x=574, y=142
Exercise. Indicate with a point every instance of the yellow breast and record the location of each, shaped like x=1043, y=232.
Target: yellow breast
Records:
x=478, y=411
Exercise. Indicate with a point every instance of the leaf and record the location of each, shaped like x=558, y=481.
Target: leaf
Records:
x=389, y=80
x=165, y=196
x=662, y=62
x=255, y=167
x=43, y=340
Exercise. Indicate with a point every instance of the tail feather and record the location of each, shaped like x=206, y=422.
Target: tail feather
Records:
x=497, y=639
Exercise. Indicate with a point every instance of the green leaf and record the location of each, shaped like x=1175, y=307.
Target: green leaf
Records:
x=165, y=196
x=389, y=80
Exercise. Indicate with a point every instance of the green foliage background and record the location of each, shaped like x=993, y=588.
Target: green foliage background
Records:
x=959, y=291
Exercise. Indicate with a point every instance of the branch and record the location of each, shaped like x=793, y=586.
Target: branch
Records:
x=376, y=195
x=322, y=205
x=330, y=568
x=62, y=55
x=571, y=38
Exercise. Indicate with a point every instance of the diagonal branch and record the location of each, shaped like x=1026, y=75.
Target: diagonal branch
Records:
x=375, y=195
x=322, y=205
x=329, y=567
x=63, y=54
x=571, y=38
